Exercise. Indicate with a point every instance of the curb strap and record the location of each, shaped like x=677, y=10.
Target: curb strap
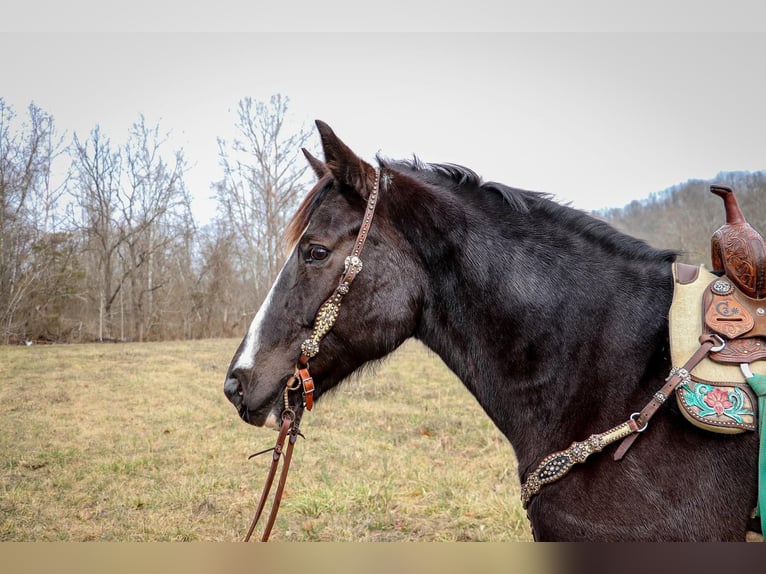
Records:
x=287, y=429
x=557, y=465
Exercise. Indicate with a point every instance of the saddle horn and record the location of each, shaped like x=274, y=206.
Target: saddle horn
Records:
x=737, y=249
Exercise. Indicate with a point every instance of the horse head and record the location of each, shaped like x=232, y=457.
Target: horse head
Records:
x=377, y=313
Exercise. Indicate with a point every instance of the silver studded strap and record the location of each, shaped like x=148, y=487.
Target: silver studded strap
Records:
x=329, y=310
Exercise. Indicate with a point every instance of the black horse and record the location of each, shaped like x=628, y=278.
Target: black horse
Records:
x=555, y=322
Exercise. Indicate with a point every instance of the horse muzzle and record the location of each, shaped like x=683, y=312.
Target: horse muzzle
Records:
x=268, y=411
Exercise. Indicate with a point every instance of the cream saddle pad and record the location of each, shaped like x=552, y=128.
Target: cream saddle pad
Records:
x=718, y=398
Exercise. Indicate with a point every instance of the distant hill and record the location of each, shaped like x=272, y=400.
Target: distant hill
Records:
x=683, y=217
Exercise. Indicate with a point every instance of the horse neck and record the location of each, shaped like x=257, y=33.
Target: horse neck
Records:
x=555, y=334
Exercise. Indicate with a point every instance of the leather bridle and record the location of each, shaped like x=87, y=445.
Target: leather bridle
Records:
x=302, y=379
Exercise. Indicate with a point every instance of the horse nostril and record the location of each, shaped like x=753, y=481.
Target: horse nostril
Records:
x=232, y=388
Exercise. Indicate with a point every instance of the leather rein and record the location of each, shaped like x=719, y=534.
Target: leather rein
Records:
x=302, y=379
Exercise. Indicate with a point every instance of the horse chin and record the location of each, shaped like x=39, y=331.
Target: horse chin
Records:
x=273, y=420
x=266, y=415
x=270, y=415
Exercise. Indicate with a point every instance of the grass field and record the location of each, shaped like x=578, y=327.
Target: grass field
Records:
x=136, y=442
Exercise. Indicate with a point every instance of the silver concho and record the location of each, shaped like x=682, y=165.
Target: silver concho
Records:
x=352, y=261
x=310, y=348
x=722, y=287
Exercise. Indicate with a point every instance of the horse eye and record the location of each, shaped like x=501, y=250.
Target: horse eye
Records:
x=318, y=253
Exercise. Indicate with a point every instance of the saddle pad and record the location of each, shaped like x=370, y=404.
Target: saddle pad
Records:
x=686, y=326
x=717, y=398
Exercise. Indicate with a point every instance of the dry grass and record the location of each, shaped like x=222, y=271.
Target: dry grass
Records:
x=136, y=442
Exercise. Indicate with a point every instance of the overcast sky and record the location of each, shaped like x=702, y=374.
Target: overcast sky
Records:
x=595, y=119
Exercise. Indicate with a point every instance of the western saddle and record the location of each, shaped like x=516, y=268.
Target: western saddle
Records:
x=733, y=300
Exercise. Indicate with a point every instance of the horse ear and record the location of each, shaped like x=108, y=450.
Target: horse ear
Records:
x=345, y=166
x=319, y=167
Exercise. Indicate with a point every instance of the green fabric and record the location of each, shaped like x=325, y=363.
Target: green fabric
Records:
x=758, y=384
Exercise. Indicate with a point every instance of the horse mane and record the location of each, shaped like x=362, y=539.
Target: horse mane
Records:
x=462, y=180
x=458, y=177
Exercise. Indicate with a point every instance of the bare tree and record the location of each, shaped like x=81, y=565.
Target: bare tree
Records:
x=27, y=208
x=96, y=179
x=133, y=205
x=155, y=210
x=220, y=307
x=263, y=173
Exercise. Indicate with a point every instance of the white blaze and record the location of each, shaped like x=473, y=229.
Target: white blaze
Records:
x=246, y=358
